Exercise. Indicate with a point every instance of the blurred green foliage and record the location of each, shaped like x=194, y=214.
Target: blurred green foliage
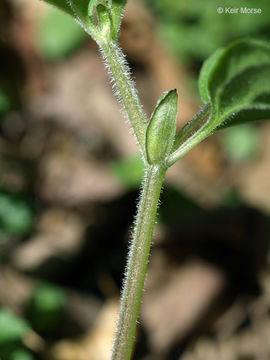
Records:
x=4, y=105
x=194, y=29
x=21, y=354
x=46, y=308
x=12, y=330
x=240, y=143
x=128, y=171
x=16, y=216
x=58, y=35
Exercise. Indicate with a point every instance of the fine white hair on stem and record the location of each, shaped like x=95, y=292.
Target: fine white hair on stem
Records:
x=124, y=90
x=138, y=258
x=133, y=227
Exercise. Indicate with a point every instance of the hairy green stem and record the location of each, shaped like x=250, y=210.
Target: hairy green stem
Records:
x=125, y=89
x=196, y=130
x=192, y=125
x=137, y=263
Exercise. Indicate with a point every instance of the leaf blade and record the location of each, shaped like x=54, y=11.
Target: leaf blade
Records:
x=117, y=11
x=62, y=5
x=236, y=80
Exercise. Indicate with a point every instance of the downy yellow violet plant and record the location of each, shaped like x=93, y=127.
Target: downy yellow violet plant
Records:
x=234, y=85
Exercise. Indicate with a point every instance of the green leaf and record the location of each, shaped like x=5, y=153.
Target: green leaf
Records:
x=117, y=11
x=12, y=328
x=62, y=5
x=100, y=18
x=161, y=129
x=207, y=69
x=81, y=10
x=236, y=81
x=104, y=20
x=234, y=84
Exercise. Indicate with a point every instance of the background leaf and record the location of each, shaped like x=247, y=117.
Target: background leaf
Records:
x=12, y=328
x=129, y=171
x=182, y=23
x=240, y=143
x=58, y=35
x=21, y=354
x=46, y=308
x=16, y=217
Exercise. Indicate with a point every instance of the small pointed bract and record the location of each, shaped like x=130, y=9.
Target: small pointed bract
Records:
x=161, y=129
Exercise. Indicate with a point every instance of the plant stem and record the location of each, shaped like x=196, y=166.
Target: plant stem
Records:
x=125, y=88
x=196, y=130
x=137, y=263
x=194, y=124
